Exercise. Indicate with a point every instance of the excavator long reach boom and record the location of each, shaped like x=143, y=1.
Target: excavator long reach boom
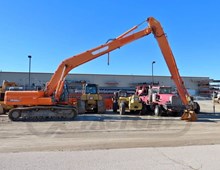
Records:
x=48, y=99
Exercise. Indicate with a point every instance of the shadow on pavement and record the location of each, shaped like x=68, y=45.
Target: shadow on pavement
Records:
x=105, y=117
x=117, y=117
x=208, y=117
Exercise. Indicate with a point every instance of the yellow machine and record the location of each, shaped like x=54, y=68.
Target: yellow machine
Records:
x=123, y=102
x=91, y=100
x=5, y=86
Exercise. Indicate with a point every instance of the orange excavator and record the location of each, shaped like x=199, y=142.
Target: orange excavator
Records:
x=49, y=103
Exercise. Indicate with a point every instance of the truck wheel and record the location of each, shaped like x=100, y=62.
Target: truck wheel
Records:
x=197, y=110
x=122, y=109
x=157, y=110
x=100, y=107
x=115, y=107
x=143, y=111
x=1, y=109
x=81, y=106
x=95, y=110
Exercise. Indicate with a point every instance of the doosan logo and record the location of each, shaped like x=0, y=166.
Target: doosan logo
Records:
x=14, y=100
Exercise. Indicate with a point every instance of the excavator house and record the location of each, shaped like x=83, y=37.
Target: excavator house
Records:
x=49, y=103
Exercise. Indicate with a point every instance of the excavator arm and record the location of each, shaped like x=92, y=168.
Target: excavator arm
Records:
x=56, y=82
x=160, y=36
x=157, y=30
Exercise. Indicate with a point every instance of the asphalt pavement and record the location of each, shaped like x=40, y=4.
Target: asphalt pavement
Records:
x=187, y=157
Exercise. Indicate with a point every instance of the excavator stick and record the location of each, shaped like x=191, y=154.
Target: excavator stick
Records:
x=189, y=115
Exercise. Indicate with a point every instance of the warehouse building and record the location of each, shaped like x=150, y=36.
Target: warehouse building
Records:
x=107, y=83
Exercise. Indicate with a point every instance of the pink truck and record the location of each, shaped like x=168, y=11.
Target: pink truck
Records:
x=160, y=100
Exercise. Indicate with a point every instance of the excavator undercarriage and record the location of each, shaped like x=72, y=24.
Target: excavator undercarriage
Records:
x=43, y=113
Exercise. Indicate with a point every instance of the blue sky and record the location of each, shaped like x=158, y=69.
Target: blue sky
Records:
x=53, y=30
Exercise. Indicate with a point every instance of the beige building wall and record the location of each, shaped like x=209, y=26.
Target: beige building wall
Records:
x=103, y=80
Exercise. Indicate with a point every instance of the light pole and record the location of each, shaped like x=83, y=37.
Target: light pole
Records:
x=29, y=74
x=153, y=72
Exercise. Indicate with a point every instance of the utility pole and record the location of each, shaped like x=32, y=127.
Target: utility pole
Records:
x=29, y=74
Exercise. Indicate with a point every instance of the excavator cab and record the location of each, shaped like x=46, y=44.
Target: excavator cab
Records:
x=91, y=100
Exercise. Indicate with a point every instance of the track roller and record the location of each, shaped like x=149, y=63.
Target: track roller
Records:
x=14, y=115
